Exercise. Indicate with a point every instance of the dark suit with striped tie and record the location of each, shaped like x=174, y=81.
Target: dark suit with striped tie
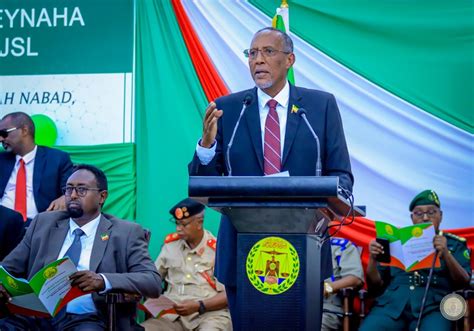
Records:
x=299, y=154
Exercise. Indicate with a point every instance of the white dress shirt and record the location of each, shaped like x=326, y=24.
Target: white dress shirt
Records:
x=8, y=199
x=83, y=304
x=206, y=155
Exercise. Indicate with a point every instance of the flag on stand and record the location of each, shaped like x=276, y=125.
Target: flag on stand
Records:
x=281, y=21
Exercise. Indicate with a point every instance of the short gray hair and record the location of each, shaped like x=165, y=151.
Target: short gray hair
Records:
x=287, y=42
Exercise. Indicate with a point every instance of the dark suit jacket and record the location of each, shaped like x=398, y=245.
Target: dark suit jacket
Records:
x=123, y=258
x=51, y=171
x=11, y=230
x=299, y=153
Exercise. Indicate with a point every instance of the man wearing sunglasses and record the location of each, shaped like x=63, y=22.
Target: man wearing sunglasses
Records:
x=110, y=254
x=274, y=128
x=31, y=176
x=186, y=263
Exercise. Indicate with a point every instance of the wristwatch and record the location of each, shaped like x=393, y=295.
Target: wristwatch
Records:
x=202, y=308
x=328, y=289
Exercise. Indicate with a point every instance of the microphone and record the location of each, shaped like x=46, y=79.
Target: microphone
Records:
x=302, y=113
x=245, y=103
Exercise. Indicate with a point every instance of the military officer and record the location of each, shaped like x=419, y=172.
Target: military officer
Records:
x=186, y=262
x=347, y=272
x=398, y=306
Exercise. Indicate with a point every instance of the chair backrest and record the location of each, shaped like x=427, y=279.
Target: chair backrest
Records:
x=114, y=298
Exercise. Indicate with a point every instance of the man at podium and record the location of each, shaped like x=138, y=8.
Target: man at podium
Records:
x=273, y=128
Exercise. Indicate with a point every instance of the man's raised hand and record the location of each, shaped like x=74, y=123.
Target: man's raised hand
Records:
x=209, y=130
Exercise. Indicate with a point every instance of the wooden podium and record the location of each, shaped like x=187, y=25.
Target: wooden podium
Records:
x=277, y=289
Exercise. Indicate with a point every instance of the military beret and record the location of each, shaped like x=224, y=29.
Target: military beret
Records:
x=186, y=208
x=427, y=197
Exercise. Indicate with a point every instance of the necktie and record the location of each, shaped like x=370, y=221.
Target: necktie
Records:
x=74, y=251
x=271, y=149
x=20, y=190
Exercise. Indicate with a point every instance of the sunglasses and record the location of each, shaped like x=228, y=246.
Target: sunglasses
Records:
x=4, y=133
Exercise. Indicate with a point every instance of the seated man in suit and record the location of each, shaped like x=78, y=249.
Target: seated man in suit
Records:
x=347, y=272
x=110, y=254
x=31, y=176
x=186, y=262
x=398, y=307
x=11, y=230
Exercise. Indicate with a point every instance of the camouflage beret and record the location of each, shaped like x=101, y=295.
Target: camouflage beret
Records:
x=427, y=197
x=186, y=208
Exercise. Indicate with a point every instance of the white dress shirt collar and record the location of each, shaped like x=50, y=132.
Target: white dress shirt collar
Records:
x=282, y=97
x=89, y=229
x=28, y=157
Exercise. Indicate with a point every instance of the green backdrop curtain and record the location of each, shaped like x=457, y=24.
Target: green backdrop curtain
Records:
x=169, y=107
x=422, y=51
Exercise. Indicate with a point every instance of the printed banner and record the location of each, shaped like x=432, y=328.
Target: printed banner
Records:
x=72, y=61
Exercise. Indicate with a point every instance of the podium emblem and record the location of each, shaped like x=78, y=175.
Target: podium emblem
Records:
x=272, y=265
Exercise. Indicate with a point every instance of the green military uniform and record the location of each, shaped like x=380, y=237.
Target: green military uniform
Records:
x=345, y=262
x=190, y=276
x=399, y=306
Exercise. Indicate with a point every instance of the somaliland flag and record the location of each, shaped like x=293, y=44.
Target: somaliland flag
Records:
x=281, y=21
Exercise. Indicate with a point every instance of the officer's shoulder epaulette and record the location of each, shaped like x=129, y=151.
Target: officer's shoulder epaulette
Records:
x=171, y=237
x=212, y=243
x=342, y=242
x=451, y=235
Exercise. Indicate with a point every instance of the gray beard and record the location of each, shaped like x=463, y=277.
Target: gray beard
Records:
x=265, y=85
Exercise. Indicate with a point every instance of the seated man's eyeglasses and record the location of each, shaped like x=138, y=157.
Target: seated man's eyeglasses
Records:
x=80, y=190
x=421, y=214
x=4, y=133
x=252, y=53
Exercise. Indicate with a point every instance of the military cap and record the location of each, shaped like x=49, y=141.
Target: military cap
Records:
x=186, y=208
x=427, y=197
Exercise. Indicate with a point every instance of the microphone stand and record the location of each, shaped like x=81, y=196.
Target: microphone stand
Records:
x=318, y=159
x=245, y=104
x=423, y=301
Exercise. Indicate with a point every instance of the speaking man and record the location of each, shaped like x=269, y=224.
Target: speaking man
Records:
x=272, y=137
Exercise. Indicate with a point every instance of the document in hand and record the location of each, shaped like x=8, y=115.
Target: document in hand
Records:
x=411, y=247
x=160, y=306
x=48, y=291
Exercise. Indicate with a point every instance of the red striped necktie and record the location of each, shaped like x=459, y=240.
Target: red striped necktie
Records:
x=272, y=149
x=20, y=190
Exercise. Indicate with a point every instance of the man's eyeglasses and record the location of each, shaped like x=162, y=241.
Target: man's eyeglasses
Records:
x=80, y=190
x=420, y=214
x=252, y=53
x=4, y=133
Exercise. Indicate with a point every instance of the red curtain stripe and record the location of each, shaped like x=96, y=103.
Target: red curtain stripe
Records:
x=209, y=77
